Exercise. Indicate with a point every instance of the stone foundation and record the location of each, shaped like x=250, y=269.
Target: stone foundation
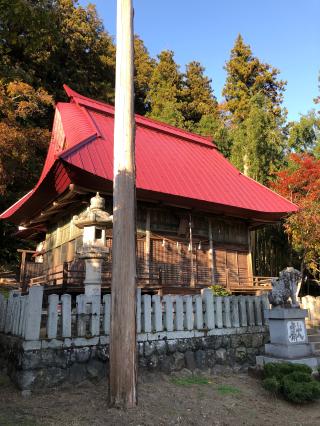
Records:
x=37, y=365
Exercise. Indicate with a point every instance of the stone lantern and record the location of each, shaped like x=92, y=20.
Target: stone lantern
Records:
x=94, y=221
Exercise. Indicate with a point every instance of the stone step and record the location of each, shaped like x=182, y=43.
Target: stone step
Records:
x=315, y=346
x=313, y=331
x=314, y=337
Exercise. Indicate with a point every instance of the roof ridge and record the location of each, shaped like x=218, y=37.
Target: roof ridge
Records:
x=142, y=120
x=75, y=147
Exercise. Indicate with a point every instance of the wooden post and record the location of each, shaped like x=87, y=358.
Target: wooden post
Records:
x=192, y=277
x=123, y=375
x=147, y=247
x=249, y=259
x=211, y=254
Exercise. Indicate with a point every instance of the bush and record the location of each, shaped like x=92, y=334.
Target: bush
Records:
x=280, y=369
x=300, y=387
x=218, y=290
x=293, y=381
x=271, y=384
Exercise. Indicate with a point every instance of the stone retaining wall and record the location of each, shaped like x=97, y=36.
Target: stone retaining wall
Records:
x=41, y=364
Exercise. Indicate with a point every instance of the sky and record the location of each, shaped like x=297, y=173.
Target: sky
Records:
x=283, y=33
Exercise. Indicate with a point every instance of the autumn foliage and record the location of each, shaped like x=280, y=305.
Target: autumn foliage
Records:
x=300, y=182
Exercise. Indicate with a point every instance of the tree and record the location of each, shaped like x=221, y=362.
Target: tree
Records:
x=198, y=98
x=217, y=127
x=23, y=146
x=247, y=76
x=258, y=141
x=48, y=43
x=165, y=91
x=304, y=135
x=300, y=182
x=144, y=66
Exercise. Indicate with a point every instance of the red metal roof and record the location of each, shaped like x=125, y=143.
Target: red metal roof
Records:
x=169, y=162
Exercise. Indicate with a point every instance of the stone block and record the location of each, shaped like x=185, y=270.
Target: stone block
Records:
x=149, y=348
x=77, y=373
x=30, y=360
x=166, y=364
x=102, y=353
x=257, y=340
x=286, y=351
x=153, y=362
x=200, y=357
x=240, y=354
x=190, y=360
x=25, y=379
x=160, y=347
x=140, y=349
x=312, y=362
x=210, y=358
x=184, y=345
x=96, y=369
x=178, y=361
x=83, y=355
x=221, y=356
x=172, y=345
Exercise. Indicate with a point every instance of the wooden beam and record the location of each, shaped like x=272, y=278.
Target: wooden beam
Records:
x=123, y=363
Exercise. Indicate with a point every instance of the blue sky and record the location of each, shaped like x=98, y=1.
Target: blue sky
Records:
x=284, y=33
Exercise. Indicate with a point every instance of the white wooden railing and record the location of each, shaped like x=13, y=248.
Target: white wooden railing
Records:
x=24, y=316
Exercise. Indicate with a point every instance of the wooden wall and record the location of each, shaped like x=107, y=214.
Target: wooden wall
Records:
x=215, y=250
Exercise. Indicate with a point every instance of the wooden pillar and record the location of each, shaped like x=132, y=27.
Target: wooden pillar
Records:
x=123, y=363
x=192, y=275
x=250, y=266
x=22, y=268
x=211, y=254
x=147, y=247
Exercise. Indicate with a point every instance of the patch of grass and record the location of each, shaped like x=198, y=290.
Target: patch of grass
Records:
x=227, y=390
x=4, y=292
x=189, y=381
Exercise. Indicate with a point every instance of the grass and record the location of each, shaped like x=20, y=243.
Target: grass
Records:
x=4, y=292
x=189, y=381
x=227, y=390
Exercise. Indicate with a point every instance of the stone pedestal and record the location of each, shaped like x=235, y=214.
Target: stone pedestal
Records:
x=288, y=337
x=93, y=259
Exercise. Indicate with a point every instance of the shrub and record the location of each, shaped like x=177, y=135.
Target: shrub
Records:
x=280, y=369
x=271, y=384
x=218, y=290
x=300, y=387
x=293, y=381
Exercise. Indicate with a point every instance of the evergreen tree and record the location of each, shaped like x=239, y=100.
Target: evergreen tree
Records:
x=215, y=126
x=304, y=135
x=48, y=42
x=247, y=76
x=165, y=91
x=198, y=98
x=144, y=66
x=258, y=142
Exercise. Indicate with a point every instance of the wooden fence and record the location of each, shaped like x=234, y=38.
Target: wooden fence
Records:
x=24, y=315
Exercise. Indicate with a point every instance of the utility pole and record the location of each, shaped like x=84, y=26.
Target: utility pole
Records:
x=123, y=370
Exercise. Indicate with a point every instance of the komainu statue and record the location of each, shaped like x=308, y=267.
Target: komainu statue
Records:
x=284, y=288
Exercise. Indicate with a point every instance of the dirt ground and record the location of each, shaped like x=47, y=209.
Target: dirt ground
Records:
x=180, y=399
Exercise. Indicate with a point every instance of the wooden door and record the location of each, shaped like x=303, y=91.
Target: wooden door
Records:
x=231, y=267
x=232, y=278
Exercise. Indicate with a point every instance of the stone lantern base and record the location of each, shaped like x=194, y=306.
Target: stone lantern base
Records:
x=288, y=338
